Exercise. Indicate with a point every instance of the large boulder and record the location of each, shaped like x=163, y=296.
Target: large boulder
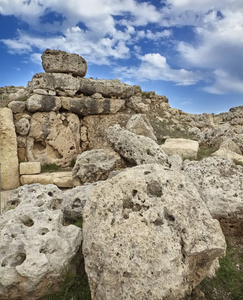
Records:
x=137, y=149
x=22, y=126
x=8, y=151
x=35, y=247
x=54, y=138
x=107, y=88
x=88, y=106
x=56, y=61
x=95, y=165
x=148, y=235
x=184, y=147
x=17, y=106
x=219, y=182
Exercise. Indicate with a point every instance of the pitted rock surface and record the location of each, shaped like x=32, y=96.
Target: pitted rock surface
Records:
x=56, y=61
x=34, y=244
x=148, y=235
x=95, y=165
x=220, y=184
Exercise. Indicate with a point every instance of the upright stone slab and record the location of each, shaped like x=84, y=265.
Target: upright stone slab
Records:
x=8, y=151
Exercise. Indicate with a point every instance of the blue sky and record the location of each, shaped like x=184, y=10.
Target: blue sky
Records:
x=190, y=51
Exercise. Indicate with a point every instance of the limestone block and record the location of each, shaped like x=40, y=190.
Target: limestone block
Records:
x=60, y=179
x=220, y=184
x=95, y=165
x=148, y=235
x=35, y=248
x=54, y=138
x=17, y=106
x=8, y=151
x=89, y=106
x=44, y=92
x=139, y=124
x=184, y=147
x=23, y=126
x=29, y=168
x=56, y=61
x=227, y=153
x=43, y=103
x=137, y=149
x=96, y=126
x=107, y=88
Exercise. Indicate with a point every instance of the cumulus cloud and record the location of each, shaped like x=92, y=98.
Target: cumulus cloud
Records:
x=154, y=66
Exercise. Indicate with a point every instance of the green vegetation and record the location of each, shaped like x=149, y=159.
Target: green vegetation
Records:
x=228, y=283
x=49, y=168
x=73, y=286
x=78, y=222
x=23, y=99
x=72, y=163
x=205, y=151
x=148, y=94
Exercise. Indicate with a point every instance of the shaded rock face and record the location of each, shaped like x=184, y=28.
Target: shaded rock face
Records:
x=95, y=165
x=137, y=149
x=148, y=235
x=54, y=138
x=8, y=151
x=56, y=61
x=220, y=184
x=34, y=245
x=44, y=103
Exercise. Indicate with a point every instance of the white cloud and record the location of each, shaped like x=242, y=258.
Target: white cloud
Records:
x=154, y=67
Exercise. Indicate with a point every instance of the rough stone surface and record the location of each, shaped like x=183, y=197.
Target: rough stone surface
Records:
x=184, y=147
x=96, y=126
x=8, y=151
x=54, y=138
x=107, y=88
x=43, y=103
x=88, y=106
x=220, y=184
x=95, y=165
x=17, y=106
x=60, y=179
x=74, y=201
x=29, y=168
x=148, y=235
x=34, y=245
x=54, y=82
x=175, y=161
x=22, y=126
x=140, y=125
x=137, y=149
x=56, y=61
x=227, y=153
x=230, y=145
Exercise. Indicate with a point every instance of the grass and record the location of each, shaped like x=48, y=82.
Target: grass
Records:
x=228, y=283
x=73, y=286
x=205, y=151
x=148, y=94
x=49, y=168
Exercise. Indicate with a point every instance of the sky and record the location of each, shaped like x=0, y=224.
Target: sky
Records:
x=190, y=51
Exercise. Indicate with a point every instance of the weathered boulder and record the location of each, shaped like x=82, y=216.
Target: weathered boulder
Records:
x=34, y=245
x=220, y=184
x=107, y=88
x=227, y=153
x=140, y=125
x=22, y=126
x=8, y=151
x=54, y=138
x=227, y=143
x=88, y=106
x=56, y=61
x=148, y=235
x=74, y=201
x=29, y=168
x=184, y=147
x=17, y=106
x=175, y=161
x=44, y=103
x=95, y=165
x=60, y=179
x=137, y=104
x=137, y=149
